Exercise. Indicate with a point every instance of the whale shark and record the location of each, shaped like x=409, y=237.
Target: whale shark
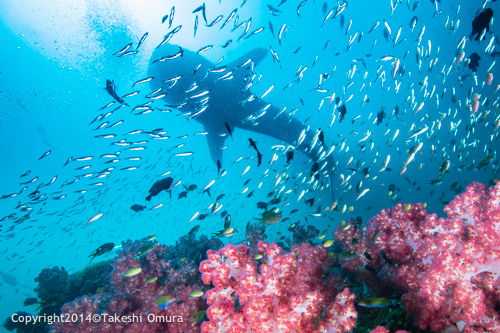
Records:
x=219, y=97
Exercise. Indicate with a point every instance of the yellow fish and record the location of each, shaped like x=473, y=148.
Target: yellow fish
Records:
x=132, y=272
x=229, y=232
x=196, y=293
x=151, y=279
x=377, y=302
x=198, y=316
x=328, y=243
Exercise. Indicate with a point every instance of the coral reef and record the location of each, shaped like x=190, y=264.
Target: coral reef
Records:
x=286, y=292
x=132, y=297
x=447, y=268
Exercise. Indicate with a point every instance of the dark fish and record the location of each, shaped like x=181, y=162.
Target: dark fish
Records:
x=137, y=208
x=252, y=143
x=193, y=231
x=30, y=301
x=275, y=201
x=437, y=181
x=218, y=166
x=229, y=130
x=271, y=28
x=103, y=249
x=385, y=258
x=227, y=221
x=474, y=61
x=481, y=22
x=164, y=18
x=347, y=255
x=370, y=268
x=289, y=156
x=161, y=185
x=380, y=117
x=343, y=111
x=262, y=205
x=385, y=34
x=183, y=194
x=321, y=137
x=314, y=168
x=259, y=159
x=259, y=155
x=110, y=88
x=201, y=217
x=191, y=187
x=359, y=221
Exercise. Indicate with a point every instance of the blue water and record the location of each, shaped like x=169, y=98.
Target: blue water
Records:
x=56, y=58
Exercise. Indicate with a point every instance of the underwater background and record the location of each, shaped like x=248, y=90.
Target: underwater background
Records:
x=409, y=59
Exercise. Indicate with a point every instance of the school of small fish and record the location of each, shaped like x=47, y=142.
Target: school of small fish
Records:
x=403, y=115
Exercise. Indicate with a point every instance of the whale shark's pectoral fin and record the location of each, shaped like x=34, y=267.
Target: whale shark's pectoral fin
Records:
x=215, y=140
